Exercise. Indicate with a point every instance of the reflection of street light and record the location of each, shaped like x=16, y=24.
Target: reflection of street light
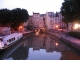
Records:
x=37, y=33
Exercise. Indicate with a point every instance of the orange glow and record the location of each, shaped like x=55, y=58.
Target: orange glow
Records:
x=35, y=30
x=76, y=26
x=37, y=33
x=20, y=26
x=57, y=26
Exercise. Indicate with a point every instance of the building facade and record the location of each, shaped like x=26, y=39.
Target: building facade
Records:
x=49, y=20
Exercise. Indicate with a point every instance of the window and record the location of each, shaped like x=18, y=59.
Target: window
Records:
x=1, y=39
x=14, y=38
x=9, y=40
x=50, y=20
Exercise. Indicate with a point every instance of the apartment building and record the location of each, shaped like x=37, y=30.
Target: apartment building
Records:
x=49, y=20
x=43, y=21
x=30, y=21
x=39, y=21
x=61, y=23
x=36, y=19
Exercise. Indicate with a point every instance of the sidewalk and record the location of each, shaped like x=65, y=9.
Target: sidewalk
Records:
x=74, y=42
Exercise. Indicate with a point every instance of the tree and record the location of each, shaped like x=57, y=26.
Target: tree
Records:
x=13, y=18
x=5, y=17
x=19, y=16
x=77, y=10
x=70, y=11
x=30, y=27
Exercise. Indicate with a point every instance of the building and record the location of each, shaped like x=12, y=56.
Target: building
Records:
x=36, y=19
x=49, y=20
x=30, y=21
x=5, y=30
x=43, y=24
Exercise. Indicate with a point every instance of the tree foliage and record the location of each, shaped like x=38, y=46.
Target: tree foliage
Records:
x=5, y=17
x=13, y=18
x=30, y=27
x=19, y=16
x=70, y=10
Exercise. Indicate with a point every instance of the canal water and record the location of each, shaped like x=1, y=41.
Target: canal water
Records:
x=40, y=47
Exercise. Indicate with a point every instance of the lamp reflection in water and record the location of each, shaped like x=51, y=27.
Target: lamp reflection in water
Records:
x=37, y=33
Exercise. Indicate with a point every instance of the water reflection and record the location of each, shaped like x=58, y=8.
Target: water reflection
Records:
x=40, y=47
x=45, y=42
x=20, y=54
x=16, y=52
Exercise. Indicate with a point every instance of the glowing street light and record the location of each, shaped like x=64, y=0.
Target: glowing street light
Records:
x=57, y=26
x=76, y=26
x=20, y=26
x=56, y=44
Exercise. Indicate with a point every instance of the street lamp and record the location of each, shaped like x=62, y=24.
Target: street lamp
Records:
x=76, y=26
x=57, y=26
x=56, y=44
x=20, y=28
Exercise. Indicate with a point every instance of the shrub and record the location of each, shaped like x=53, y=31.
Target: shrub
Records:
x=74, y=34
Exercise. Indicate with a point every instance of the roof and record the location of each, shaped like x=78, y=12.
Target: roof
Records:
x=31, y=16
x=51, y=14
x=36, y=13
x=42, y=15
x=56, y=14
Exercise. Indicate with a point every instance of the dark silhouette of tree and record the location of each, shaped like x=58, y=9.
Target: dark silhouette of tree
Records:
x=19, y=16
x=13, y=18
x=30, y=27
x=67, y=11
x=5, y=17
x=20, y=54
x=76, y=10
x=70, y=11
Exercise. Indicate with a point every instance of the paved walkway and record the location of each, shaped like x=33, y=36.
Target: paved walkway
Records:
x=66, y=38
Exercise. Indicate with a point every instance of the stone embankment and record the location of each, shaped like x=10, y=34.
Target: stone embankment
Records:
x=74, y=42
x=24, y=33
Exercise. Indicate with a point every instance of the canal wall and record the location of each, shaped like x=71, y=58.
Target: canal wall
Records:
x=67, y=39
x=28, y=32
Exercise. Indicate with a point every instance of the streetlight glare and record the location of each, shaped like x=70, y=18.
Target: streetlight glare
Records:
x=20, y=26
x=56, y=26
x=76, y=26
x=56, y=44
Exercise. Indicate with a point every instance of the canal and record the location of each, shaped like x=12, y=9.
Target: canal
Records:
x=40, y=47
